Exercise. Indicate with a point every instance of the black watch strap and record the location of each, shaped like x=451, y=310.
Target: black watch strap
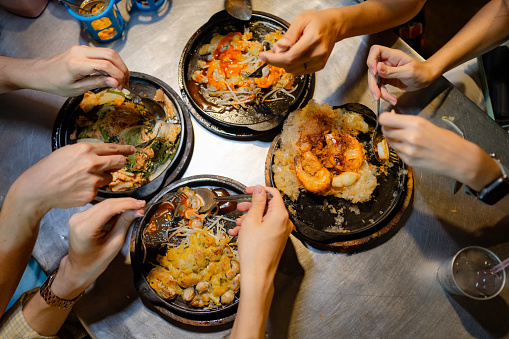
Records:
x=495, y=191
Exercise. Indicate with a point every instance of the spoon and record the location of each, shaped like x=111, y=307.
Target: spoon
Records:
x=240, y=9
x=70, y=4
x=151, y=105
x=210, y=200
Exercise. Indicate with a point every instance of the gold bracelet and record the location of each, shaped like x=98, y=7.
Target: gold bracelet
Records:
x=53, y=300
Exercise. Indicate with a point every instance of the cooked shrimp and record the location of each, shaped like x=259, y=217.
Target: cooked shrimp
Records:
x=311, y=173
x=345, y=152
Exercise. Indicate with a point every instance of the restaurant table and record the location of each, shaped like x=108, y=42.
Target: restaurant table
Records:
x=390, y=290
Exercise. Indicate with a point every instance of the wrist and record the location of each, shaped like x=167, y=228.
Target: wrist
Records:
x=481, y=171
x=68, y=283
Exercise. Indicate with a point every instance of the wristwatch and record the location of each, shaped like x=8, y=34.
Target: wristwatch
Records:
x=495, y=191
x=53, y=300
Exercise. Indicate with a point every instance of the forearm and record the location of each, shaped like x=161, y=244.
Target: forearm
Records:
x=487, y=29
x=45, y=319
x=19, y=226
x=254, y=306
x=17, y=73
x=374, y=16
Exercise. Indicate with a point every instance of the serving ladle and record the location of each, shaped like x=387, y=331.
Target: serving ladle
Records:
x=210, y=200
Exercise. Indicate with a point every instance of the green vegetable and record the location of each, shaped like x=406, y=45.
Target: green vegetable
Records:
x=84, y=134
x=103, y=110
x=119, y=93
x=131, y=135
x=104, y=134
x=131, y=162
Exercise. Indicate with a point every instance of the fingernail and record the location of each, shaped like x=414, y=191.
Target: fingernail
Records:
x=392, y=102
x=141, y=203
x=262, y=56
x=257, y=189
x=133, y=149
x=120, y=87
x=139, y=213
x=374, y=97
x=111, y=83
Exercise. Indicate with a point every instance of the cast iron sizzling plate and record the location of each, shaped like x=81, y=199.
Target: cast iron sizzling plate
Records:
x=257, y=120
x=143, y=84
x=311, y=216
x=178, y=309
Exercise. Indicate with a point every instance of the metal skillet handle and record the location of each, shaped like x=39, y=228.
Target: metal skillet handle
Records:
x=240, y=197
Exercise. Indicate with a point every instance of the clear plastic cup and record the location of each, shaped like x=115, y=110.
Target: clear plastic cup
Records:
x=469, y=274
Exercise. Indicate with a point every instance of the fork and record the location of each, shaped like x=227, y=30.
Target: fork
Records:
x=377, y=126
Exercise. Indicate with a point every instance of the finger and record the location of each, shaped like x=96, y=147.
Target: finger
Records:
x=100, y=213
x=276, y=204
x=282, y=45
x=395, y=121
x=294, y=32
x=374, y=53
x=117, y=234
x=109, y=55
x=112, y=149
x=389, y=97
x=243, y=206
x=234, y=231
x=239, y=220
x=373, y=86
x=108, y=163
x=104, y=179
x=258, y=204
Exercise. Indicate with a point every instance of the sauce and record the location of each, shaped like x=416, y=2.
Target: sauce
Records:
x=194, y=91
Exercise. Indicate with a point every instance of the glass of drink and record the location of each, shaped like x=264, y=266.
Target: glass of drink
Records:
x=469, y=273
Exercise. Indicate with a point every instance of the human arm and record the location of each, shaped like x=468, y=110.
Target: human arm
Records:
x=68, y=177
x=487, y=29
x=65, y=74
x=312, y=34
x=262, y=238
x=91, y=249
x=423, y=145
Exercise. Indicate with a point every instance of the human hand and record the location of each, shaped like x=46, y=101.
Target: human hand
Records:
x=67, y=74
x=423, y=145
x=96, y=236
x=262, y=234
x=70, y=176
x=397, y=69
x=311, y=36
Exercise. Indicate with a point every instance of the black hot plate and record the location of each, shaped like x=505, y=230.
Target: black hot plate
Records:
x=143, y=258
x=146, y=85
x=256, y=121
x=311, y=215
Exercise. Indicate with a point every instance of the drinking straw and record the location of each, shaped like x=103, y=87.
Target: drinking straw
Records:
x=500, y=266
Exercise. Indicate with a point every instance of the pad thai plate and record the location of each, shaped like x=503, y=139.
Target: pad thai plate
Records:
x=150, y=244
x=214, y=54
x=110, y=116
x=327, y=219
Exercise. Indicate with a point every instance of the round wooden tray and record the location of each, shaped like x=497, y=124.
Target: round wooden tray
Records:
x=363, y=240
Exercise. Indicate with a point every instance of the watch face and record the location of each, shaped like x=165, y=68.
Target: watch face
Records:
x=495, y=191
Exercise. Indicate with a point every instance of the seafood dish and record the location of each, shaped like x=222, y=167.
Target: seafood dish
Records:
x=110, y=116
x=320, y=152
x=225, y=64
x=201, y=262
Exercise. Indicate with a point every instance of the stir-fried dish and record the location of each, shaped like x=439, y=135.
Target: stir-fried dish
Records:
x=225, y=65
x=320, y=153
x=110, y=116
x=201, y=263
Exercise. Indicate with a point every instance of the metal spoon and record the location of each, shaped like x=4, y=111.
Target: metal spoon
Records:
x=210, y=200
x=240, y=9
x=151, y=105
x=70, y=4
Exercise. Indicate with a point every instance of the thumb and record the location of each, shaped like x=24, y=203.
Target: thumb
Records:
x=282, y=45
x=258, y=203
x=118, y=232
